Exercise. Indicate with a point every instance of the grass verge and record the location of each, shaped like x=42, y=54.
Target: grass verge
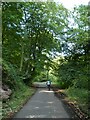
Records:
x=79, y=97
x=16, y=101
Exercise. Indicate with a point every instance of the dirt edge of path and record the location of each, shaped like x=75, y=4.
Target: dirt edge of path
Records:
x=79, y=115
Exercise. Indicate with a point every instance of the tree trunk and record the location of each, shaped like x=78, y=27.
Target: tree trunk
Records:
x=22, y=54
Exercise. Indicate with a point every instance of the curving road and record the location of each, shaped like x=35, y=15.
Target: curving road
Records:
x=43, y=104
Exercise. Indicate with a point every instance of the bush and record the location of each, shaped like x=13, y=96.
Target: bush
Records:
x=10, y=75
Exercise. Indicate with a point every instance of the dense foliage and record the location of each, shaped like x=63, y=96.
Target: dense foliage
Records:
x=35, y=33
x=75, y=64
x=27, y=39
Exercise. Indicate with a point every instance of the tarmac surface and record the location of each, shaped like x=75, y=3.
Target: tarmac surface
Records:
x=43, y=104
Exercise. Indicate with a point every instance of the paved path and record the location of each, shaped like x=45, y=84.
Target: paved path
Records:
x=43, y=104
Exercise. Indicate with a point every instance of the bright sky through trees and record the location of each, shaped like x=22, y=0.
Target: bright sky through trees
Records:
x=71, y=3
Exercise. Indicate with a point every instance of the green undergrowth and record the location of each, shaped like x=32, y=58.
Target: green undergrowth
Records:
x=17, y=100
x=0, y=109
x=80, y=97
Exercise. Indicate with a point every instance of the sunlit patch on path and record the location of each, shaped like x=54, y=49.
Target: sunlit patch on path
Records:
x=45, y=91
